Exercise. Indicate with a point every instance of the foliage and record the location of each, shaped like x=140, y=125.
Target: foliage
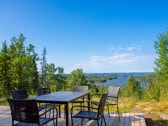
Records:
x=152, y=91
x=5, y=78
x=161, y=69
x=161, y=47
x=132, y=88
x=98, y=89
x=18, y=66
x=43, y=69
x=56, y=80
x=60, y=79
x=18, y=69
x=77, y=77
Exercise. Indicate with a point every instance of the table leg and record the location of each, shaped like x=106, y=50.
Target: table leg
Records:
x=59, y=111
x=67, y=114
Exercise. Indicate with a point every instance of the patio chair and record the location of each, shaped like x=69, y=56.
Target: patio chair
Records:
x=79, y=89
x=112, y=98
x=19, y=94
x=22, y=94
x=43, y=91
x=25, y=112
x=91, y=112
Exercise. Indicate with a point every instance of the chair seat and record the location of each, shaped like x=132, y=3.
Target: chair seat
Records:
x=42, y=122
x=90, y=112
x=86, y=114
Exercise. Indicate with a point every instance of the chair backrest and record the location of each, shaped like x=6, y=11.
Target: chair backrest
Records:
x=42, y=91
x=112, y=92
x=80, y=88
x=102, y=104
x=19, y=94
x=24, y=110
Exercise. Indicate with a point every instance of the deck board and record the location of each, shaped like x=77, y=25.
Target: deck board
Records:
x=126, y=119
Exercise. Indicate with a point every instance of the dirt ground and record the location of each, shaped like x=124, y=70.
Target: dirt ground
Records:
x=151, y=121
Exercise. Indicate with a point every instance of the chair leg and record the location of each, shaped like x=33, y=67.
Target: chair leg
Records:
x=56, y=116
x=59, y=111
x=64, y=112
x=82, y=121
x=108, y=110
x=101, y=121
x=72, y=121
x=104, y=120
x=13, y=123
x=118, y=113
x=97, y=122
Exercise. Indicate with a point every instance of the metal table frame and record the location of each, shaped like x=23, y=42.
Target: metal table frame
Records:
x=62, y=97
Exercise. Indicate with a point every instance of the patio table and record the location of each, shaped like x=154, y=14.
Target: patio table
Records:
x=62, y=97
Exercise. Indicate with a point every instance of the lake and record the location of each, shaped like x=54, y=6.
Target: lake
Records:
x=122, y=78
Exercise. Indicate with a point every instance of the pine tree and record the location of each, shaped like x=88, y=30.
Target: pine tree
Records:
x=43, y=68
x=77, y=77
x=5, y=78
x=161, y=69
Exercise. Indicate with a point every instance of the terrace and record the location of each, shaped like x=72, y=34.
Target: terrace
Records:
x=126, y=119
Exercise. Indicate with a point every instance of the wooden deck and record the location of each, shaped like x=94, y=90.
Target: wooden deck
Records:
x=126, y=119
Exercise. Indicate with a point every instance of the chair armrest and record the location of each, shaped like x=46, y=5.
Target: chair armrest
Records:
x=47, y=110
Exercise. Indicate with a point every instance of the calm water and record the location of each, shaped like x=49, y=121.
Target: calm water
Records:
x=122, y=78
x=120, y=81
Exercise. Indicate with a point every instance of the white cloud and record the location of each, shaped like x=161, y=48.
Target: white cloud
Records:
x=130, y=48
x=117, y=49
x=124, y=62
x=120, y=59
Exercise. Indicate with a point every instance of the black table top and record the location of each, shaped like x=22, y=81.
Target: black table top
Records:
x=60, y=96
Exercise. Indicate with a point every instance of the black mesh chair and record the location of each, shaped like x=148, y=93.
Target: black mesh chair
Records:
x=79, y=89
x=112, y=98
x=91, y=112
x=22, y=94
x=19, y=94
x=25, y=112
x=43, y=91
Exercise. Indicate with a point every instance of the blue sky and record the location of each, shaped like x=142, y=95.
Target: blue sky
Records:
x=95, y=35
